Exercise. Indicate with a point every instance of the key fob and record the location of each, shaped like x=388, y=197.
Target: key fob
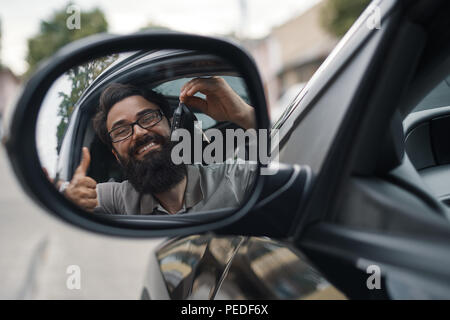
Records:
x=183, y=117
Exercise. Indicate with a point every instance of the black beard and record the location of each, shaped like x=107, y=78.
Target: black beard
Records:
x=155, y=173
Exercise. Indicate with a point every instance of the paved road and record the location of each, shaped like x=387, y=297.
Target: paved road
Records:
x=36, y=250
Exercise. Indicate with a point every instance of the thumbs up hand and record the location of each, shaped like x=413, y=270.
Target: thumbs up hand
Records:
x=81, y=189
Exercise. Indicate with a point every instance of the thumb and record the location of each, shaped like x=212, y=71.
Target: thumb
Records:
x=84, y=163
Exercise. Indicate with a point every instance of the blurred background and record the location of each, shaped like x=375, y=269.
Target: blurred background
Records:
x=289, y=39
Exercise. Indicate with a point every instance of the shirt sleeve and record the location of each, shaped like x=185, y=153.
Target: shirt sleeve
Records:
x=107, y=196
x=117, y=198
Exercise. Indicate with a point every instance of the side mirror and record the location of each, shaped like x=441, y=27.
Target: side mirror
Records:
x=91, y=138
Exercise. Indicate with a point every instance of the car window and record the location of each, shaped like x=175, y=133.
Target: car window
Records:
x=171, y=89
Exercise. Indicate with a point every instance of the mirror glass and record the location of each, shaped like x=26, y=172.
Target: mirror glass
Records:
x=159, y=132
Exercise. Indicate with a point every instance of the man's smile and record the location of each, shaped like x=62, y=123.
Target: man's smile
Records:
x=146, y=148
x=146, y=145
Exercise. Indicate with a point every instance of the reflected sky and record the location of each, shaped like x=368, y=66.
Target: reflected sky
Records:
x=48, y=121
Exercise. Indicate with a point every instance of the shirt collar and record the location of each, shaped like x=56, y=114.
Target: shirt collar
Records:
x=192, y=195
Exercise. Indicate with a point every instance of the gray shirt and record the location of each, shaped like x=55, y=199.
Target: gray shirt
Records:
x=215, y=186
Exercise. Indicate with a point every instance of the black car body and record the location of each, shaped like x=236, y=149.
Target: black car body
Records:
x=215, y=267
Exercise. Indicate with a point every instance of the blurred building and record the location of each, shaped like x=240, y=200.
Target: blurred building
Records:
x=9, y=84
x=267, y=55
x=291, y=53
x=304, y=45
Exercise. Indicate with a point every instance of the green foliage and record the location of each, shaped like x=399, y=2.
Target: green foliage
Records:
x=337, y=16
x=54, y=34
x=81, y=77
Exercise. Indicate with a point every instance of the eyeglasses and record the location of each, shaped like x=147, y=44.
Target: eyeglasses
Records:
x=147, y=120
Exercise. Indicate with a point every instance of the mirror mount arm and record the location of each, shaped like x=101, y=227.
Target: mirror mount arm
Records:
x=290, y=186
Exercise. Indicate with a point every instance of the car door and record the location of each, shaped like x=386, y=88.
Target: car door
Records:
x=371, y=226
x=263, y=268
x=307, y=132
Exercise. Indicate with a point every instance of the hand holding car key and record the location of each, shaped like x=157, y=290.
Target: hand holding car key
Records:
x=221, y=103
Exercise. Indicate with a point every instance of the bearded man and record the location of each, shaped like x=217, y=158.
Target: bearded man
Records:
x=135, y=124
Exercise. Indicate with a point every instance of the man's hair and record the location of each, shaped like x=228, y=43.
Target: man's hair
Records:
x=116, y=92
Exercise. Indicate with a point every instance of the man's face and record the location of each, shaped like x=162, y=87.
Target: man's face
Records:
x=146, y=155
x=127, y=111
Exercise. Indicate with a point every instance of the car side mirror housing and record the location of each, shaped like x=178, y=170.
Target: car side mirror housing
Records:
x=169, y=65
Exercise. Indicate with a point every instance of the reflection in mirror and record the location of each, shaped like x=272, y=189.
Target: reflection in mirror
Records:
x=149, y=133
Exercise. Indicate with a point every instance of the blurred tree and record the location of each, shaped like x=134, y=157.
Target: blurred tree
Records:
x=55, y=33
x=337, y=16
x=81, y=77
